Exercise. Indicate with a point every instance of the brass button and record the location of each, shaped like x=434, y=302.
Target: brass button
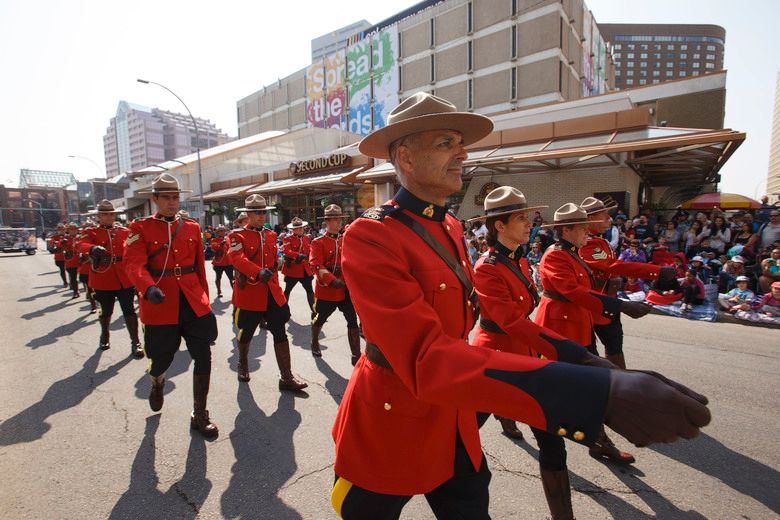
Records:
x=468, y=303
x=175, y=250
x=448, y=227
x=463, y=262
x=522, y=298
x=579, y=436
x=580, y=274
x=565, y=317
x=442, y=286
x=388, y=406
x=562, y=431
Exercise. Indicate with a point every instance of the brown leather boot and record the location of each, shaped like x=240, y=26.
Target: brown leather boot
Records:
x=131, y=320
x=200, y=415
x=353, y=336
x=617, y=359
x=156, y=394
x=558, y=493
x=315, y=340
x=509, y=428
x=287, y=381
x=105, y=334
x=92, y=306
x=605, y=448
x=243, y=362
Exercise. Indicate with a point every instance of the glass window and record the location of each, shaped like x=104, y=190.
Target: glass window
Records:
x=642, y=81
x=643, y=73
x=711, y=57
x=629, y=82
x=629, y=73
x=656, y=82
x=643, y=56
x=630, y=55
x=710, y=47
x=670, y=56
x=695, y=73
x=630, y=64
x=683, y=47
x=618, y=47
x=617, y=73
x=670, y=47
x=710, y=65
x=657, y=64
x=682, y=74
x=669, y=64
x=656, y=73
x=642, y=64
x=683, y=56
x=643, y=47
x=657, y=47
x=669, y=73
x=631, y=47
x=657, y=55
x=618, y=55
x=696, y=56
x=696, y=64
x=683, y=65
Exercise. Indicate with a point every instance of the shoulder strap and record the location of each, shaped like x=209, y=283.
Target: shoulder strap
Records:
x=163, y=248
x=443, y=254
x=593, y=281
x=517, y=272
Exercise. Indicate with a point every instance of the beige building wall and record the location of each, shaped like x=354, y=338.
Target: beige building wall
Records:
x=773, y=175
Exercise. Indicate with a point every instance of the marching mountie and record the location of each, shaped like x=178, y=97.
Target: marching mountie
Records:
x=221, y=261
x=330, y=292
x=59, y=254
x=407, y=423
x=84, y=268
x=105, y=245
x=296, y=268
x=71, y=256
x=164, y=261
x=257, y=295
x=607, y=270
x=571, y=306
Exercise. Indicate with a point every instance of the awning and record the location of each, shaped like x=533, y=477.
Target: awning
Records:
x=380, y=171
x=661, y=156
x=235, y=192
x=345, y=177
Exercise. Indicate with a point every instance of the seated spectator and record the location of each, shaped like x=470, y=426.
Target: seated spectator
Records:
x=745, y=241
x=768, y=306
x=731, y=270
x=634, y=253
x=693, y=291
x=680, y=266
x=739, y=298
x=770, y=271
x=702, y=270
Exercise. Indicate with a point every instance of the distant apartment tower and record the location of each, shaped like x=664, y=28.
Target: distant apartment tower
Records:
x=486, y=56
x=648, y=54
x=139, y=136
x=773, y=175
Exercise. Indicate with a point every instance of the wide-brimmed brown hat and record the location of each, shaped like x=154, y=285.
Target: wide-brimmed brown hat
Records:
x=165, y=183
x=255, y=202
x=568, y=215
x=333, y=211
x=105, y=206
x=593, y=205
x=422, y=112
x=503, y=201
x=296, y=223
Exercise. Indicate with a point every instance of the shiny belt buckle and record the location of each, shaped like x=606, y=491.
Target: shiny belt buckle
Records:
x=177, y=271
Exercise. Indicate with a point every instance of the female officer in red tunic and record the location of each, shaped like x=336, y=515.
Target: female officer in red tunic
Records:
x=296, y=268
x=257, y=295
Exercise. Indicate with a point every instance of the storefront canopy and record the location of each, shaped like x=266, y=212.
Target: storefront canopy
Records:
x=236, y=192
x=346, y=176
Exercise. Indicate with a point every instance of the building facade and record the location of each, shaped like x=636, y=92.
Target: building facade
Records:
x=139, y=136
x=773, y=174
x=486, y=56
x=648, y=54
x=37, y=178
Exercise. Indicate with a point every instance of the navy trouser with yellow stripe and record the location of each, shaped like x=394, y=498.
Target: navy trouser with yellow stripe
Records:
x=464, y=496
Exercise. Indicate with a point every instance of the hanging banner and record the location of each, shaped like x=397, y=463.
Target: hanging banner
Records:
x=335, y=98
x=359, y=87
x=384, y=52
x=315, y=94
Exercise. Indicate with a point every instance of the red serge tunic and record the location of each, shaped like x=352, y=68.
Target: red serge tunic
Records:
x=69, y=251
x=396, y=429
x=563, y=274
x=147, y=236
x=604, y=264
x=251, y=250
x=506, y=301
x=292, y=246
x=112, y=277
x=221, y=248
x=326, y=254
x=55, y=240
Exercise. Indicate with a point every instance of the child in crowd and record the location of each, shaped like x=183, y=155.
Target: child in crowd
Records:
x=693, y=291
x=702, y=270
x=739, y=298
x=769, y=304
x=679, y=265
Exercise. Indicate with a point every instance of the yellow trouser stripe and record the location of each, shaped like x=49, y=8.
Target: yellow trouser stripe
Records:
x=235, y=316
x=339, y=493
x=314, y=310
x=240, y=331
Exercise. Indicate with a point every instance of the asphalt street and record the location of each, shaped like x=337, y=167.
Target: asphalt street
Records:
x=78, y=440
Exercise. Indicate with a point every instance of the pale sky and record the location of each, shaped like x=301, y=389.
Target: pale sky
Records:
x=66, y=65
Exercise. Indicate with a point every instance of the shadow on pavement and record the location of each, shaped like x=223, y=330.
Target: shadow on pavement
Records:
x=739, y=472
x=335, y=383
x=34, y=297
x=51, y=308
x=182, y=500
x=219, y=306
x=265, y=459
x=63, y=330
x=30, y=424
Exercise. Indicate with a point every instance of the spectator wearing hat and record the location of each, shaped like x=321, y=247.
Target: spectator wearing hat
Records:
x=220, y=261
x=55, y=246
x=693, y=291
x=257, y=295
x=331, y=292
x=731, y=270
x=702, y=270
x=770, y=271
x=164, y=260
x=739, y=298
x=767, y=308
x=108, y=277
x=296, y=268
x=407, y=423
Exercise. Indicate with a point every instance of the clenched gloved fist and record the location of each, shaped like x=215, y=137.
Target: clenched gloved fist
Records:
x=646, y=407
x=97, y=252
x=301, y=257
x=264, y=275
x=338, y=283
x=667, y=274
x=634, y=309
x=155, y=295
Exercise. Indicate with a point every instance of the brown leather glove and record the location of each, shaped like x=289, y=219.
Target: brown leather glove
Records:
x=338, y=283
x=155, y=295
x=300, y=258
x=646, y=407
x=596, y=361
x=634, y=309
x=264, y=275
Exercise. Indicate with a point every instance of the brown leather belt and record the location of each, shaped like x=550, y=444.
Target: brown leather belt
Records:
x=490, y=326
x=176, y=271
x=554, y=295
x=376, y=357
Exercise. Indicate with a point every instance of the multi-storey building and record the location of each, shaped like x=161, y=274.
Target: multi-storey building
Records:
x=648, y=54
x=139, y=136
x=487, y=56
x=773, y=174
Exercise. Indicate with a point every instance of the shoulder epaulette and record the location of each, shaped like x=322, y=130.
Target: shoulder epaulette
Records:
x=490, y=259
x=379, y=212
x=557, y=246
x=140, y=219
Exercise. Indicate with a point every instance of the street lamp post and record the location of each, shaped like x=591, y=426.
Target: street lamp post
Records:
x=40, y=212
x=202, y=215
